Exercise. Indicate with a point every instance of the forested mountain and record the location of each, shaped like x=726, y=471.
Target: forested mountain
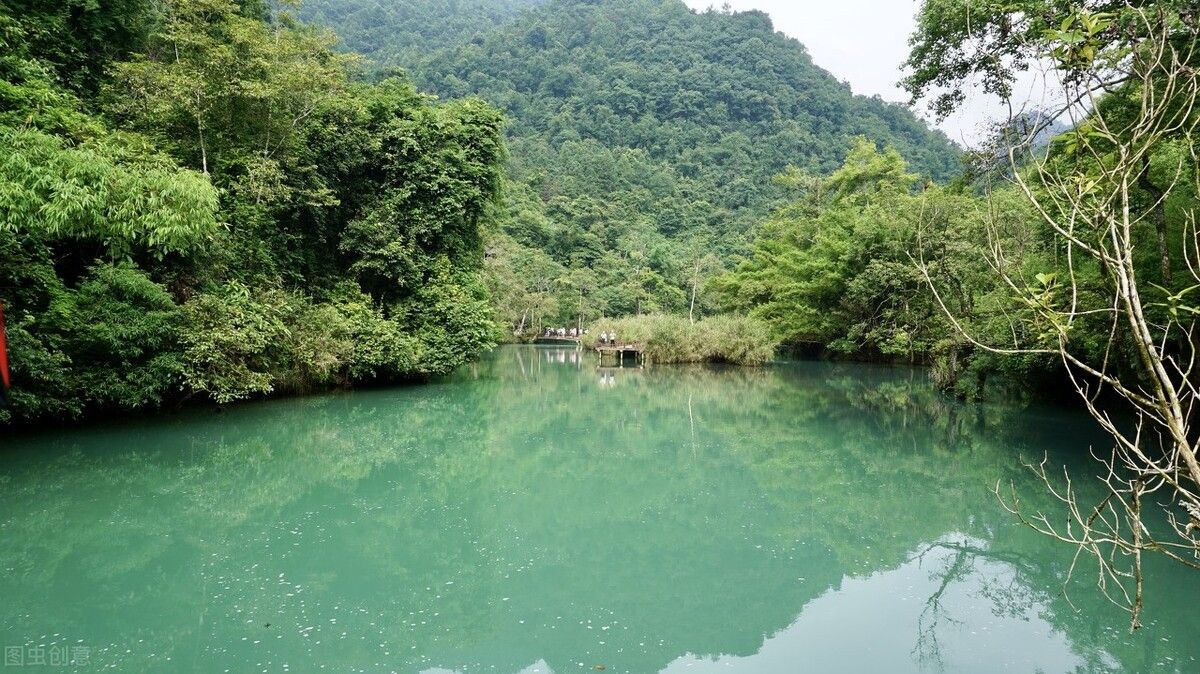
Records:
x=644, y=140
x=201, y=199
x=402, y=31
x=721, y=96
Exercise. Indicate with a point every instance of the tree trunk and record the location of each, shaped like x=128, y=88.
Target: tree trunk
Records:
x=692, y=308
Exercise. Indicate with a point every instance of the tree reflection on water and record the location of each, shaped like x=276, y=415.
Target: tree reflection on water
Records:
x=535, y=509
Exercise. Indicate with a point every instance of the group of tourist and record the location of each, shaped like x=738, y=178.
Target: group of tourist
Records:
x=606, y=338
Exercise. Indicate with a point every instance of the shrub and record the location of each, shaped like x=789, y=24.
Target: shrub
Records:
x=109, y=344
x=123, y=341
x=234, y=340
x=241, y=342
x=344, y=340
x=450, y=319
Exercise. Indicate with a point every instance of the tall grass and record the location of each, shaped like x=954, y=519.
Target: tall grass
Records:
x=673, y=339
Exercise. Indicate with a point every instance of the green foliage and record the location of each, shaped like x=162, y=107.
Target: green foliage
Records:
x=720, y=96
x=73, y=40
x=643, y=136
x=233, y=342
x=240, y=343
x=440, y=174
x=123, y=330
x=403, y=32
x=450, y=318
x=859, y=265
x=224, y=211
x=110, y=344
x=833, y=269
x=522, y=282
x=960, y=44
x=116, y=191
x=345, y=340
x=226, y=91
x=674, y=339
x=851, y=266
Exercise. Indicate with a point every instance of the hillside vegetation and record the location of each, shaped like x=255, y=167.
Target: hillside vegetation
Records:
x=644, y=139
x=404, y=32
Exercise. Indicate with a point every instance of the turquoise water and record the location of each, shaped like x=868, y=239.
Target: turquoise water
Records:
x=535, y=514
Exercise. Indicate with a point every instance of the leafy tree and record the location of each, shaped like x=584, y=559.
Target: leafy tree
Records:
x=1112, y=217
x=440, y=176
x=233, y=342
x=115, y=190
x=832, y=269
x=959, y=43
x=225, y=210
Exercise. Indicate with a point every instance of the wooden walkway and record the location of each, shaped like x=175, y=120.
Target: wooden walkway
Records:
x=618, y=352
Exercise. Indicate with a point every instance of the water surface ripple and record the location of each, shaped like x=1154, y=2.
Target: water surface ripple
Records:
x=536, y=514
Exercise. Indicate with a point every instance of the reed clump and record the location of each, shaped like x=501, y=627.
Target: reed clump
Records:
x=738, y=340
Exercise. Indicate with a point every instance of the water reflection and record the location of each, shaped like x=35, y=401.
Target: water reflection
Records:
x=561, y=356
x=962, y=624
x=520, y=517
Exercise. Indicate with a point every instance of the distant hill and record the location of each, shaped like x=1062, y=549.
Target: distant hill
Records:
x=644, y=135
x=397, y=32
x=686, y=86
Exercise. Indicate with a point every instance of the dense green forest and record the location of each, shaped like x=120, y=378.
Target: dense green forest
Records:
x=667, y=160
x=1007, y=270
x=202, y=199
x=404, y=32
x=644, y=137
x=210, y=199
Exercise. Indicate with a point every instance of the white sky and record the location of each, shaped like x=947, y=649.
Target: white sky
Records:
x=863, y=42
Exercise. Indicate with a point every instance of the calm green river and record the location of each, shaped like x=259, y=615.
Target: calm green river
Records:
x=535, y=514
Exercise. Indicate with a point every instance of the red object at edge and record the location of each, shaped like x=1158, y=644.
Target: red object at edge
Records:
x=4, y=380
